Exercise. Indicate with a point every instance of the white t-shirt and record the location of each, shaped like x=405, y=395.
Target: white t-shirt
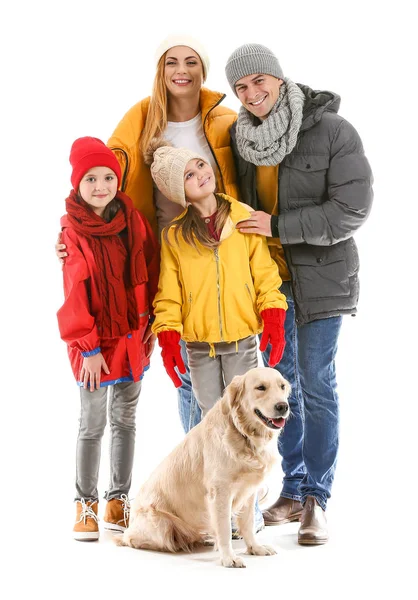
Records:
x=188, y=134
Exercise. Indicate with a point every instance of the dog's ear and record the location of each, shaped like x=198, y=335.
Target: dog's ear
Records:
x=235, y=390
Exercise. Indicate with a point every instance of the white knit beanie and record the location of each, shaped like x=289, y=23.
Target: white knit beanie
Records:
x=184, y=40
x=167, y=170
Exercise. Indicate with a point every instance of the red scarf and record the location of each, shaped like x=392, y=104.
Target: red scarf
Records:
x=119, y=313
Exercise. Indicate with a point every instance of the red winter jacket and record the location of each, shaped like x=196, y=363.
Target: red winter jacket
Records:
x=76, y=317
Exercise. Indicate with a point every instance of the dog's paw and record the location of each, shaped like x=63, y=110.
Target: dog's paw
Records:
x=232, y=562
x=261, y=550
x=117, y=539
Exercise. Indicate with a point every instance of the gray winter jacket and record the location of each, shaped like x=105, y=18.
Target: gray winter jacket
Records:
x=325, y=194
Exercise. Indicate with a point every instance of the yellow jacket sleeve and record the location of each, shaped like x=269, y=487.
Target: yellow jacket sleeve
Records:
x=169, y=299
x=265, y=274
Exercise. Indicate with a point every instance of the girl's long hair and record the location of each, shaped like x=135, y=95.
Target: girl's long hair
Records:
x=111, y=209
x=157, y=119
x=193, y=228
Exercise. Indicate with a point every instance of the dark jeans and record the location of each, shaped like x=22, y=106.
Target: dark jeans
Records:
x=309, y=442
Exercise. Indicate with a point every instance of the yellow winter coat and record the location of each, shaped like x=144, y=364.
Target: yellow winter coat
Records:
x=136, y=176
x=217, y=295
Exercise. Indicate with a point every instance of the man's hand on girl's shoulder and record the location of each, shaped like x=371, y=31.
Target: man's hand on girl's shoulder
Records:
x=259, y=222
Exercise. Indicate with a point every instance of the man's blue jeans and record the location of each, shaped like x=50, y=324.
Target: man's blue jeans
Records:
x=309, y=442
x=189, y=410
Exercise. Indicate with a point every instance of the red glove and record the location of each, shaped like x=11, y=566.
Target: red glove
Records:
x=273, y=332
x=171, y=353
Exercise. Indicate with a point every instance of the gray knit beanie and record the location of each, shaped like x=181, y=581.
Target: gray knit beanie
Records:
x=249, y=59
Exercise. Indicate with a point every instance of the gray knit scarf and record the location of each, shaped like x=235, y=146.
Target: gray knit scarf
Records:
x=267, y=142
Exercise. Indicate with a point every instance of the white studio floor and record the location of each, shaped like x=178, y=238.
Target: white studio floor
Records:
x=363, y=559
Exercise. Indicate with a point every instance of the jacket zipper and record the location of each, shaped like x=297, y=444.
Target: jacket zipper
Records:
x=206, y=138
x=218, y=287
x=125, y=172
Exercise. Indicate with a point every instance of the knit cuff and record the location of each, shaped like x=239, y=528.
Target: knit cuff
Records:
x=91, y=352
x=168, y=338
x=274, y=224
x=273, y=315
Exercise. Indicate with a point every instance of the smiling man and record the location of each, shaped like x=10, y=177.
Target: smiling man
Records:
x=302, y=168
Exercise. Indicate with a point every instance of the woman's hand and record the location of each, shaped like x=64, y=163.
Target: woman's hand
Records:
x=91, y=371
x=60, y=249
x=149, y=341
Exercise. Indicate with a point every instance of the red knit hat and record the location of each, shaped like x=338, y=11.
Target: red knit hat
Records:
x=89, y=152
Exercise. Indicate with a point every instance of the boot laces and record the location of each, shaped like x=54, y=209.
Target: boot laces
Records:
x=126, y=507
x=86, y=512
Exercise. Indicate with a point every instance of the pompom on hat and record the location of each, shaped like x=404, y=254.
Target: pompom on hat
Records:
x=167, y=168
x=251, y=59
x=184, y=40
x=87, y=153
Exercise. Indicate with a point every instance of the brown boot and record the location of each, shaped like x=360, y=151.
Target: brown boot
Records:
x=285, y=510
x=86, y=528
x=313, y=527
x=117, y=513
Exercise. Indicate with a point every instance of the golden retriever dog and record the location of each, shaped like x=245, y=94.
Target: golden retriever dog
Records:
x=214, y=472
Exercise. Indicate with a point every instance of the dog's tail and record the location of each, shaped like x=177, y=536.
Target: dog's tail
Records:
x=155, y=529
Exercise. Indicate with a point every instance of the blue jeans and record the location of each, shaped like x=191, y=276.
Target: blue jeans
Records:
x=309, y=442
x=190, y=414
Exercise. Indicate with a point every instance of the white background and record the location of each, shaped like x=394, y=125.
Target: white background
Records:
x=71, y=69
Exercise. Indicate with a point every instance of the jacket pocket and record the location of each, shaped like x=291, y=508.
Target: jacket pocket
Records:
x=189, y=305
x=253, y=299
x=250, y=295
x=304, y=178
x=320, y=272
x=308, y=163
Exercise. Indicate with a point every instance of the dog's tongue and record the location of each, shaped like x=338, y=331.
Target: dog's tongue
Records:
x=279, y=422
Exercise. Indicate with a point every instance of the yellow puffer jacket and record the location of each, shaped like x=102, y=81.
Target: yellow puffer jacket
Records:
x=136, y=176
x=214, y=295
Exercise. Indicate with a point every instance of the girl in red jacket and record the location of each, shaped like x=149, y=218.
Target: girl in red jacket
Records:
x=110, y=279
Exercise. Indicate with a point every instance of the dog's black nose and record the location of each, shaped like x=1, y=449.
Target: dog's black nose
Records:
x=281, y=408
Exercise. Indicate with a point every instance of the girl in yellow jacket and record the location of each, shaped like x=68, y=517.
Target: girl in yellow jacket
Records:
x=218, y=288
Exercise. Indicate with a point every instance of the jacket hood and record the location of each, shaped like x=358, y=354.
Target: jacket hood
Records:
x=316, y=103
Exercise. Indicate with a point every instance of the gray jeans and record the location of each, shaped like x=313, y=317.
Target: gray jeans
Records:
x=210, y=375
x=123, y=399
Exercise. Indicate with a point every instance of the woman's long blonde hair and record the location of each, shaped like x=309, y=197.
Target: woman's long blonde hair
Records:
x=192, y=227
x=157, y=119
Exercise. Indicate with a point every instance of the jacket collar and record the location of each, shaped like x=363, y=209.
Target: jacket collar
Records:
x=209, y=100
